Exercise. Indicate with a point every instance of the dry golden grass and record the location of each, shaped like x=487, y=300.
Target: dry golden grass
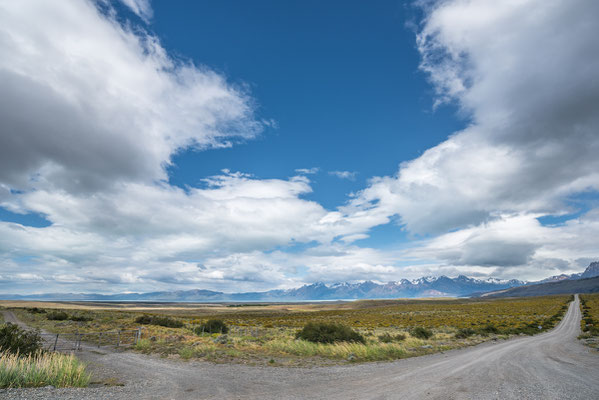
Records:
x=277, y=324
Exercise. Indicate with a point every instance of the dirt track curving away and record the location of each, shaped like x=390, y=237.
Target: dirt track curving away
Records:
x=553, y=365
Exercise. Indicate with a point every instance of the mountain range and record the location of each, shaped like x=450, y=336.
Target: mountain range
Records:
x=568, y=286
x=430, y=286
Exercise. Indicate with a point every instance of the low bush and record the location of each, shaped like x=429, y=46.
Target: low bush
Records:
x=144, y=320
x=421, y=333
x=320, y=332
x=35, y=310
x=63, y=316
x=528, y=329
x=41, y=369
x=464, y=333
x=15, y=340
x=388, y=338
x=487, y=329
x=57, y=316
x=158, y=320
x=80, y=318
x=212, y=326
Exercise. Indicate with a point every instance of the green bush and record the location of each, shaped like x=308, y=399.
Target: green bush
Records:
x=212, y=326
x=464, y=333
x=388, y=338
x=485, y=330
x=63, y=316
x=35, y=310
x=80, y=318
x=144, y=320
x=19, y=341
x=421, y=333
x=528, y=329
x=158, y=320
x=57, y=316
x=320, y=332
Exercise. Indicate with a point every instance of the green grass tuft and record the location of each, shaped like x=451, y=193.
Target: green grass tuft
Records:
x=41, y=369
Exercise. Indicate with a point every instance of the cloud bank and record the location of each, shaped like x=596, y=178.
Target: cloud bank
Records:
x=88, y=101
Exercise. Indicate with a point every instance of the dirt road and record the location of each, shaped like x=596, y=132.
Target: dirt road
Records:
x=552, y=365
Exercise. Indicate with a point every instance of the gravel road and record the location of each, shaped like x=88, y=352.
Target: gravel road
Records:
x=552, y=365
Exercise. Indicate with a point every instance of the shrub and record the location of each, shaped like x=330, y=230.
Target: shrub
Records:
x=490, y=328
x=35, y=310
x=212, y=326
x=464, y=333
x=421, y=333
x=387, y=338
x=19, y=341
x=320, y=332
x=63, y=316
x=158, y=320
x=57, y=316
x=80, y=318
x=144, y=320
x=528, y=329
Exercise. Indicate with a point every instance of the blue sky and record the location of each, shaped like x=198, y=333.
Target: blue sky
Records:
x=239, y=145
x=340, y=80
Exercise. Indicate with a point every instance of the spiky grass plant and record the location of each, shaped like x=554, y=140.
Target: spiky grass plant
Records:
x=42, y=369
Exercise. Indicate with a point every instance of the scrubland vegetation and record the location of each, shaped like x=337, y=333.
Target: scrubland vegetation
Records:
x=283, y=334
x=589, y=305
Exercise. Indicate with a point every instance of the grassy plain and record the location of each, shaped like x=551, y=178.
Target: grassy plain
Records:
x=266, y=333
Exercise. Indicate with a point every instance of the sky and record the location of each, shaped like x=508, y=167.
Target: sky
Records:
x=242, y=146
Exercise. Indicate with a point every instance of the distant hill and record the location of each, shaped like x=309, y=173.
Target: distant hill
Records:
x=589, y=285
x=441, y=286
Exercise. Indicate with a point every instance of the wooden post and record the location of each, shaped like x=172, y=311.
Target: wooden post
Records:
x=118, y=338
x=99, y=339
x=55, y=341
x=138, y=335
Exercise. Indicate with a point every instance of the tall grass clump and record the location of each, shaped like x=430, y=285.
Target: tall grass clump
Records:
x=339, y=350
x=41, y=369
x=321, y=332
